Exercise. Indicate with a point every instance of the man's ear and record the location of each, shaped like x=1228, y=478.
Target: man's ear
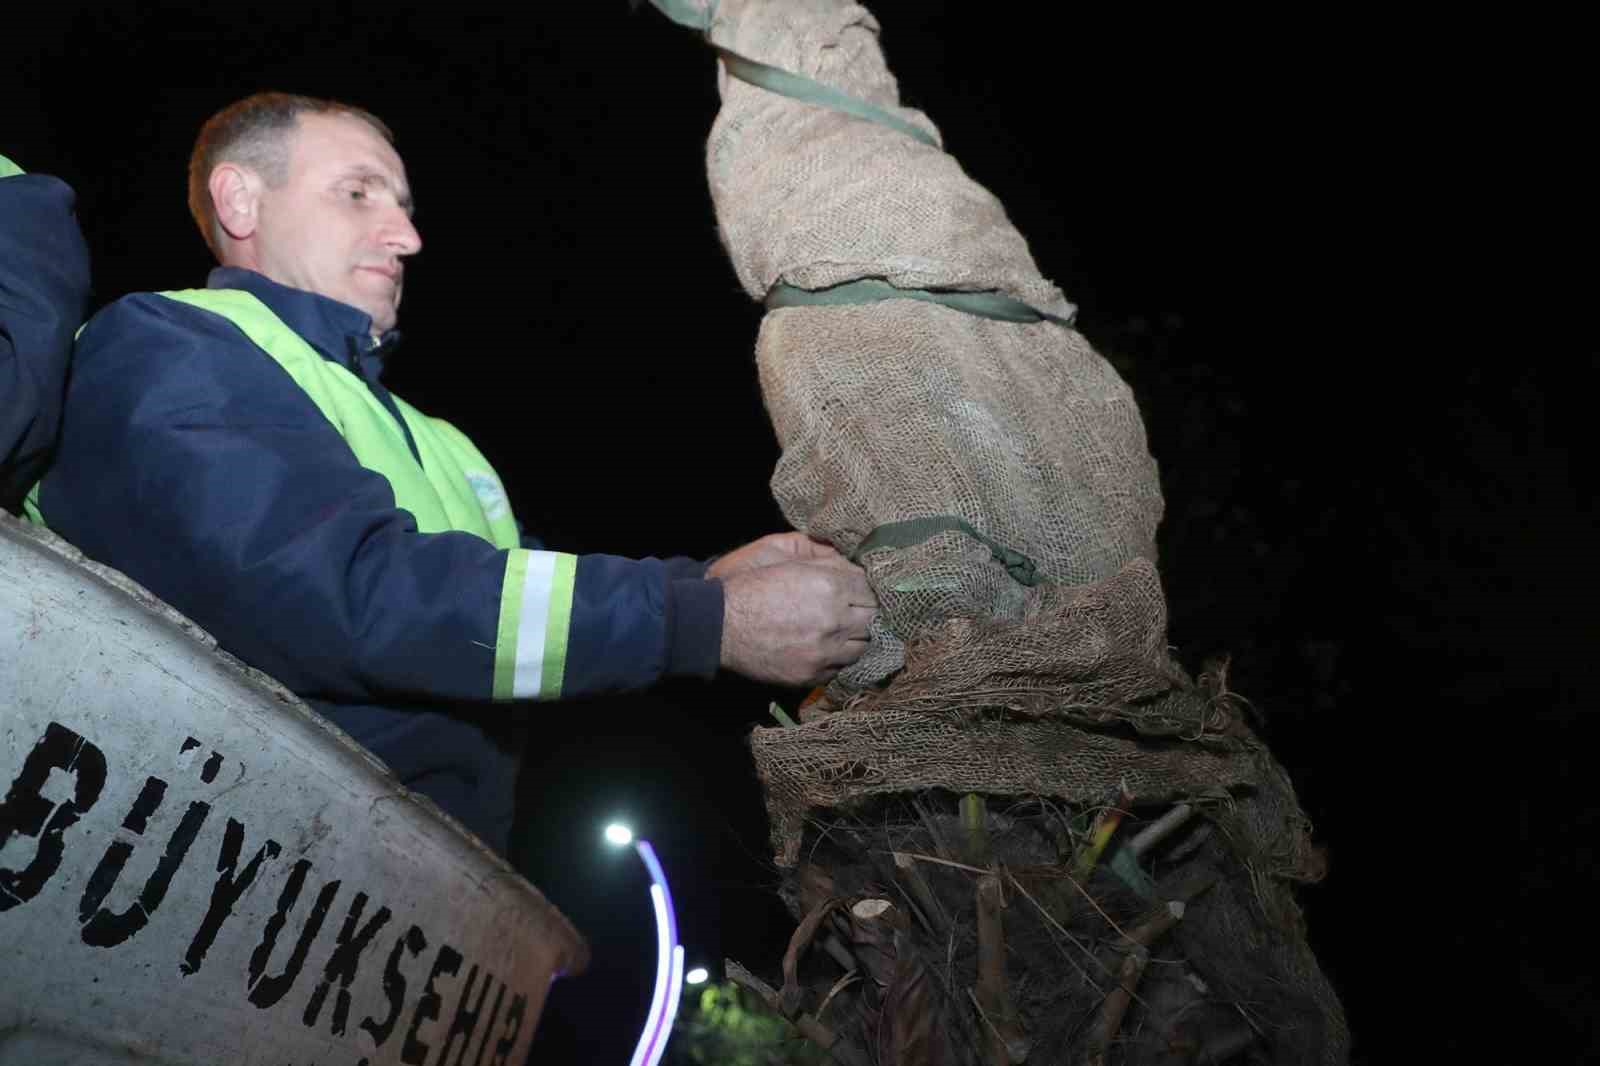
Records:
x=235, y=196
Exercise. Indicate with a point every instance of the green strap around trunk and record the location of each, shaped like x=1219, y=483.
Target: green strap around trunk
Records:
x=686, y=14
x=914, y=531
x=799, y=87
x=871, y=290
x=784, y=82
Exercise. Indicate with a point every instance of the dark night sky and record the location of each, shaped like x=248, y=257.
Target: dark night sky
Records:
x=1380, y=520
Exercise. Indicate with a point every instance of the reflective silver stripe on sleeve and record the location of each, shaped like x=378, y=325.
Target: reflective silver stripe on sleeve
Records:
x=537, y=584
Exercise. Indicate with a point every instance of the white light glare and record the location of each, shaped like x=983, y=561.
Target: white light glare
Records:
x=696, y=976
x=618, y=834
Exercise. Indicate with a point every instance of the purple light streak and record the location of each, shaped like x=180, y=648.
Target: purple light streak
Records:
x=669, y=965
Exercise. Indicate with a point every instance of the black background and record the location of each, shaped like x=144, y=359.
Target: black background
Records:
x=1375, y=512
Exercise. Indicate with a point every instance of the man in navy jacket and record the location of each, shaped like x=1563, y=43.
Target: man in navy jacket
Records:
x=234, y=450
x=44, y=295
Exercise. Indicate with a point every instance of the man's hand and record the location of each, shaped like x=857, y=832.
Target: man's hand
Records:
x=797, y=622
x=769, y=551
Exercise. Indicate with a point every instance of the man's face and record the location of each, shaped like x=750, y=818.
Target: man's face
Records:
x=340, y=223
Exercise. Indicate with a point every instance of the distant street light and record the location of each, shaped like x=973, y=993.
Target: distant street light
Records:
x=696, y=976
x=618, y=834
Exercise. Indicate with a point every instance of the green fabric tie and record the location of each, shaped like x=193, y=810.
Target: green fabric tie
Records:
x=686, y=14
x=809, y=91
x=994, y=305
x=784, y=82
x=914, y=531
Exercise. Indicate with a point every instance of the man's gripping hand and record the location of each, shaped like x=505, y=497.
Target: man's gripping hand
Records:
x=797, y=621
x=770, y=550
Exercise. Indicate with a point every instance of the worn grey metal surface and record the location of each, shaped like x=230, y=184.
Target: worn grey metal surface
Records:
x=194, y=868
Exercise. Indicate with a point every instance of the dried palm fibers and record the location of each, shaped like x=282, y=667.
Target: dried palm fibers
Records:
x=942, y=422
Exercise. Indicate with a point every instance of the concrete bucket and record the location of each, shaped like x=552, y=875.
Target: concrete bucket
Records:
x=194, y=868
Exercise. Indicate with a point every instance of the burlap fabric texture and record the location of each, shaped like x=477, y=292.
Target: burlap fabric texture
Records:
x=905, y=409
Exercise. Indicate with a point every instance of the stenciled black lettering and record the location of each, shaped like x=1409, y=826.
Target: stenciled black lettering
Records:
x=447, y=962
x=25, y=812
x=394, y=984
x=343, y=962
x=488, y=1030
x=465, y=1020
x=149, y=799
x=502, y=1050
x=111, y=863
x=208, y=772
x=267, y=990
x=101, y=927
x=226, y=893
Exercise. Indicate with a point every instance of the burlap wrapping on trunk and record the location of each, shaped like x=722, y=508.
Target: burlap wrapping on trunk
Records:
x=906, y=409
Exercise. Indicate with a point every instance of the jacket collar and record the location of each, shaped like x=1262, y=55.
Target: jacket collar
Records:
x=338, y=331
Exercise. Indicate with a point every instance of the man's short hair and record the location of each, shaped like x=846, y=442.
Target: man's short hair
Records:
x=254, y=132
